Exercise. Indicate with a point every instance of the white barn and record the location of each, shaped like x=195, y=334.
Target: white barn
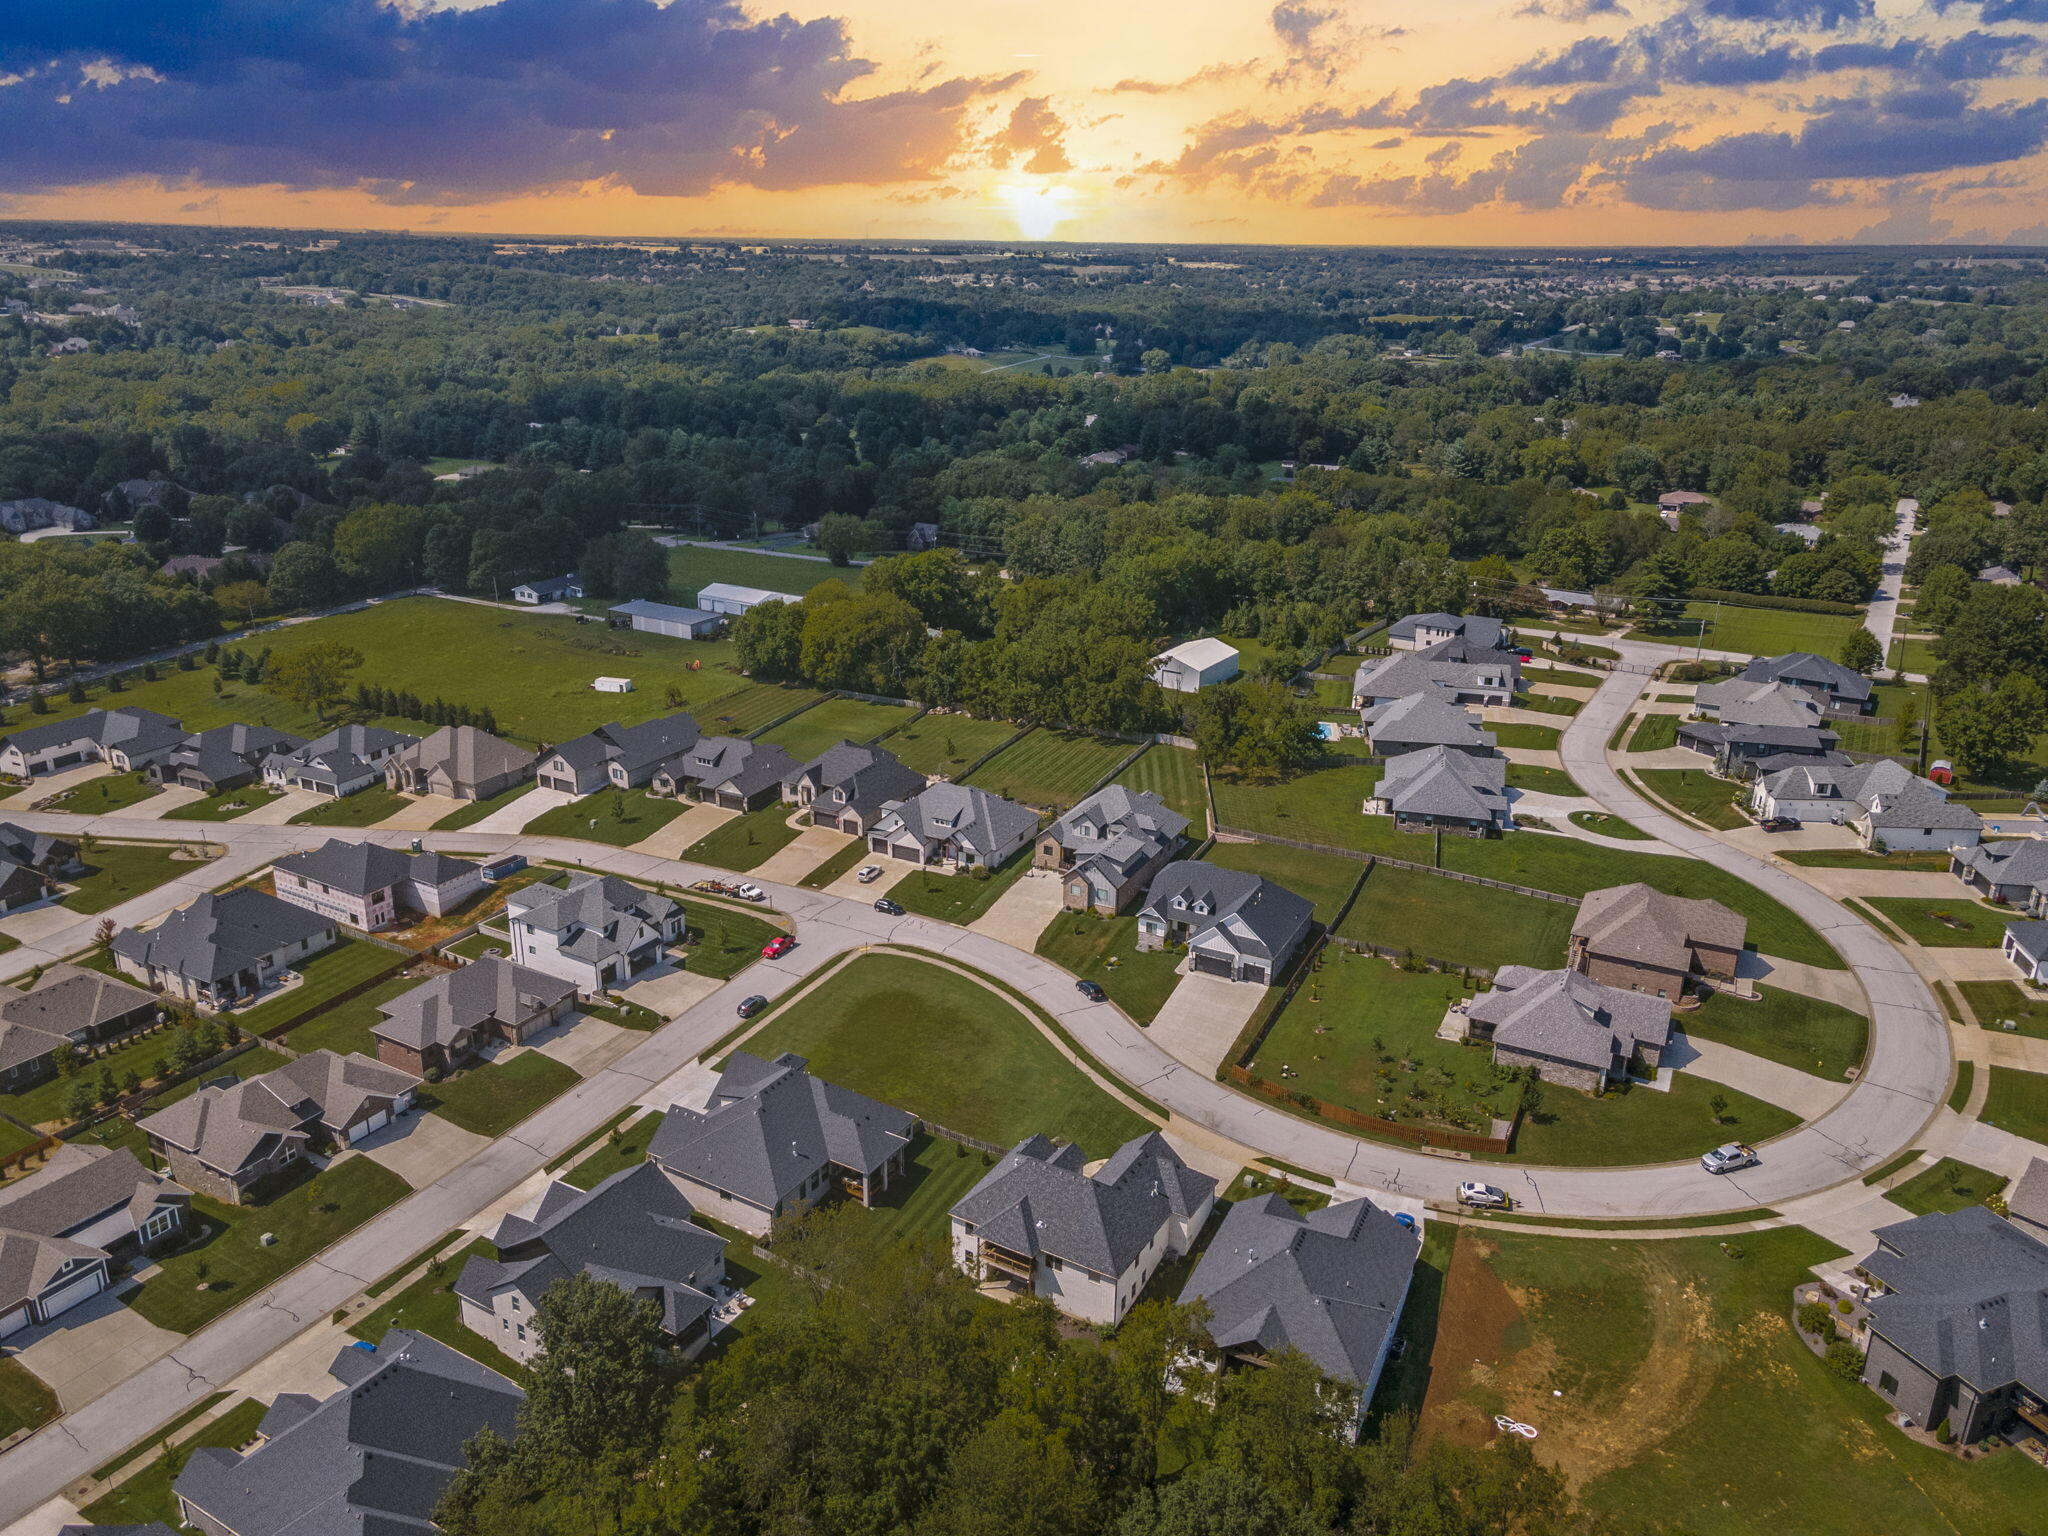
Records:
x=1194, y=664
x=725, y=597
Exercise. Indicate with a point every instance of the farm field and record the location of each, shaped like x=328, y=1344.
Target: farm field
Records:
x=946, y=744
x=691, y=566
x=836, y=720
x=1050, y=770
x=1174, y=774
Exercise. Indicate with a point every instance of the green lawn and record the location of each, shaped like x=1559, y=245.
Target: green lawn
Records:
x=851, y=856
x=625, y=1148
x=754, y=706
x=44, y=1103
x=225, y=806
x=1640, y=1125
x=490, y=1100
x=1559, y=677
x=1050, y=770
x=1751, y=1432
x=479, y=946
x=476, y=810
x=1960, y=924
x=944, y=1047
x=1608, y=825
x=100, y=797
x=1929, y=859
x=1948, y=1186
x=1323, y=805
x=1543, y=781
x=1139, y=982
x=1536, y=738
x=1993, y=1002
x=1174, y=774
x=959, y=898
x=1550, y=704
x=1959, y=1095
x=622, y=817
x=429, y=1306
x=1697, y=794
x=1405, y=909
x=691, y=566
x=25, y=1403
x=1913, y=655
x=118, y=872
x=364, y=808
x=1804, y=1032
x=946, y=744
x=836, y=720
x=1756, y=631
x=746, y=841
x=345, y=1028
x=1324, y=878
x=917, y=1206
x=2018, y=1102
x=306, y=1217
x=147, y=1496
x=1653, y=733
x=326, y=974
x=722, y=941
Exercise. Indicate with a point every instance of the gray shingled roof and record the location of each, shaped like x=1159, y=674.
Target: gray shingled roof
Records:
x=230, y=750
x=229, y=1127
x=468, y=755
x=633, y=747
x=1740, y=701
x=435, y=1011
x=1447, y=666
x=771, y=1125
x=1438, y=781
x=1479, y=631
x=370, y=1460
x=1118, y=831
x=604, y=915
x=1570, y=1017
x=67, y=998
x=1640, y=922
x=219, y=934
x=341, y=755
x=1329, y=1284
x=1968, y=1297
x=961, y=813
x=1422, y=720
x=1271, y=917
x=130, y=728
x=354, y=868
x=2027, y=1200
x=2018, y=861
x=860, y=778
x=1038, y=1201
x=34, y=850
x=77, y=1184
x=734, y=763
x=1804, y=667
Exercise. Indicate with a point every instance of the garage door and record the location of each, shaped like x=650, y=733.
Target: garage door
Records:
x=83, y=1289
x=1210, y=965
x=376, y=1122
x=14, y=1322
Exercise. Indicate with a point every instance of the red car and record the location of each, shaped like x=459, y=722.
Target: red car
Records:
x=781, y=944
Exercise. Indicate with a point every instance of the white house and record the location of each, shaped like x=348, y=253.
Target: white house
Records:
x=596, y=932
x=1194, y=664
x=2026, y=946
x=1888, y=805
x=1087, y=1243
x=368, y=886
x=727, y=598
x=552, y=590
x=125, y=739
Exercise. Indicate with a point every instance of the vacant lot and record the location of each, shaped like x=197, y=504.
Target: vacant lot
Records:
x=1945, y=924
x=1757, y=631
x=834, y=721
x=1804, y=1032
x=946, y=1048
x=691, y=566
x=2018, y=1102
x=946, y=744
x=1050, y=770
x=1405, y=909
x=1697, y=794
x=1174, y=774
x=1993, y=1002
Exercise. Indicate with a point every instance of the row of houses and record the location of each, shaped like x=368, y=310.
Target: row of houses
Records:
x=1419, y=707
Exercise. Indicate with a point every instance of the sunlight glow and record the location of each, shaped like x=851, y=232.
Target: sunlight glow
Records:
x=1038, y=207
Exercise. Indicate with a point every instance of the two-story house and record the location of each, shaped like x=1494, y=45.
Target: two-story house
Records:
x=368, y=886
x=597, y=932
x=1107, y=848
x=1235, y=924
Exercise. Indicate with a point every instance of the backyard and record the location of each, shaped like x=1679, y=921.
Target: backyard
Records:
x=1105, y=950
x=1050, y=770
x=1324, y=878
x=345, y=1028
x=1803, y=1032
x=1174, y=774
x=757, y=704
x=945, y=1047
x=946, y=744
x=323, y=976
x=118, y=872
x=489, y=1100
x=621, y=817
x=836, y=720
x=745, y=842
x=1449, y=920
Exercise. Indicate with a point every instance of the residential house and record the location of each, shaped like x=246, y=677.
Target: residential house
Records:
x=633, y=1231
x=226, y=757
x=1420, y=721
x=2026, y=1203
x=550, y=590
x=1039, y=1223
x=1330, y=1283
x=617, y=756
x=370, y=1459
x=1748, y=722
x=224, y=948
x=1456, y=671
x=137, y=494
x=1888, y=805
x=1439, y=789
x=773, y=1138
x=1673, y=505
x=921, y=536
x=66, y=1005
x=1107, y=848
x=339, y=763
x=126, y=739
x=1637, y=937
x=229, y=1137
x=1959, y=1334
x=2026, y=946
x=1841, y=689
x=1420, y=631
x=729, y=771
x=458, y=761
x=596, y=932
x=368, y=886
x=22, y=887
x=32, y=864
x=64, y=1226
x=445, y=1023
x=2013, y=872
x=1235, y=924
x=732, y=600
x=1193, y=665
x=28, y=513
x=952, y=824
x=200, y=569
x=667, y=619
x=846, y=787
x=1569, y=1028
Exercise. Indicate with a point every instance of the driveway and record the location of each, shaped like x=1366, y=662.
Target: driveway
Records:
x=694, y=823
x=670, y=990
x=282, y=809
x=420, y=1148
x=584, y=1045
x=515, y=816
x=1022, y=912
x=1838, y=987
x=850, y=886
x=92, y=1348
x=53, y=783
x=813, y=846
x=163, y=802
x=1200, y=1022
x=420, y=813
x=1806, y=1095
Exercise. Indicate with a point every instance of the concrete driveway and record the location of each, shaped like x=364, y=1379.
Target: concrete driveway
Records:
x=851, y=885
x=812, y=847
x=694, y=823
x=420, y=813
x=515, y=816
x=1806, y=1095
x=670, y=990
x=53, y=783
x=163, y=802
x=90, y=1349
x=1200, y=1022
x=282, y=809
x=420, y=1148
x=584, y=1045
x=1838, y=987
x=1022, y=912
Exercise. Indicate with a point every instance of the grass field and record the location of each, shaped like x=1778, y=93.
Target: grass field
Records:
x=1961, y=924
x=1641, y=1125
x=622, y=816
x=836, y=720
x=25, y=1403
x=1323, y=878
x=625, y=1147
x=1653, y=733
x=1996, y=1001
x=1404, y=909
x=1105, y=949
x=957, y=898
x=1515, y=733
x=1948, y=1186
x=946, y=744
x=118, y=872
x=1804, y=1032
x=944, y=1047
x=1756, y=631
x=364, y=808
x=1543, y=781
x=1174, y=774
x=1696, y=793
x=2018, y=1102
x=332, y=971
x=748, y=710
x=230, y=1263
x=225, y=806
x=490, y=1100
x=1914, y=655
x=1928, y=859
x=691, y=566
x=102, y=796
x=147, y=1496
x=1608, y=825
x=429, y=1306
x=1050, y=770
x=345, y=1028
x=1685, y=1391
x=746, y=841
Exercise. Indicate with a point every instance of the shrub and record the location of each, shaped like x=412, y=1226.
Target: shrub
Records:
x=1845, y=1360
x=1814, y=1318
x=1943, y=1433
x=1845, y=1306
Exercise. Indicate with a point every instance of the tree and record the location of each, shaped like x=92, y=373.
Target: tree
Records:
x=1982, y=727
x=593, y=1393
x=768, y=640
x=1860, y=651
x=316, y=675
x=380, y=546
x=304, y=576
x=1258, y=728
x=841, y=537
x=444, y=556
x=625, y=565
x=869, y=643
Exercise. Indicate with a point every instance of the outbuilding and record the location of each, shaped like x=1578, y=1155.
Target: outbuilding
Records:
x=668, y=619
x=727, y=598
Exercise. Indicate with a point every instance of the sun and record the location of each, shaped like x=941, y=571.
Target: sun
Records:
x=1038, y=207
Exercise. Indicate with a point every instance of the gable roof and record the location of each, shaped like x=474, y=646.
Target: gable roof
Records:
x=1743, y=701
x=227, y=750
x=1478, y=630
x=76, y=1184
x=1438, y=781
x=641, y=608
x=602, y=914
x=732, y=592
x=961, y=813
x=34, y=850
x=863, y=778
x=1639, y=922
x=1250, y=913
x=1570, y=1017
x=1329, y=1284
x=342, y=755
x=2018, y=861
x=1199, y=655
x=1804, y=667
x=1967, y=1296
x=466, y=754
x=1038, y=1200
x=1449, y=666
x=633, y=747
x=1424, y=719
x=436, y=1011
x=133, y=730
x=733, y=762
x=228, y=1127
x=221, y=933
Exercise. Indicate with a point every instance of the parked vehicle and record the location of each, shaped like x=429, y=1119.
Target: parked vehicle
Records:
x=1780, y=824
x=884, y=905
x=781, y=944
x=749, y=892
x=1486, y=1197
x=1406, y=1221
x=749, y=1006
x=1092, y=990
x=869, y=874
x=1727, y=1159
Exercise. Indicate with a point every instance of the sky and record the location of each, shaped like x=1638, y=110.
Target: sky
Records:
x=1445, y=122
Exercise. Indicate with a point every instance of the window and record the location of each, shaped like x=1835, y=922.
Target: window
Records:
x=522, y=1333
x=158, y=1224
x=515, y=1304
x=1052, y=1261
x=1887, y=1383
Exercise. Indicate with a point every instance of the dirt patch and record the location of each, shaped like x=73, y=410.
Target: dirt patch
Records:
x=1471, y=1336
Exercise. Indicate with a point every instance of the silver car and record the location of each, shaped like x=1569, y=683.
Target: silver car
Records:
x=1727, y=1159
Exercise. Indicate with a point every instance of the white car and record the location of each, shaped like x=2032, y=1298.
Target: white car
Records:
x=1490, y=1197
x=870, y=874
x=1729, y=1158
x=751, y=893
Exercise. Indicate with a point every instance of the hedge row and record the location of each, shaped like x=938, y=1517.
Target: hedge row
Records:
x=1765, y=600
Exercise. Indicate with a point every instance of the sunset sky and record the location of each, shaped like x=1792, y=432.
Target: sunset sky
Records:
x=1445, y=122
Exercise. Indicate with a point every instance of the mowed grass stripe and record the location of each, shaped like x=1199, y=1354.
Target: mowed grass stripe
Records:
x=1050, y=769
